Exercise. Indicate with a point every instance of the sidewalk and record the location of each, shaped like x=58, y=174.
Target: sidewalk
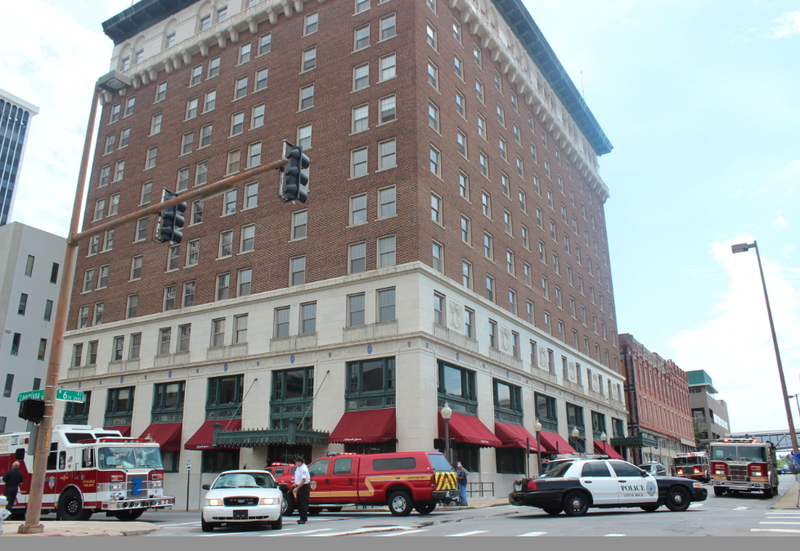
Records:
x=480, y=503
x=82, y=528
x=789, y=498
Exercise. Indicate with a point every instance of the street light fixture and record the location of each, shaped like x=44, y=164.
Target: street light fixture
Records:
x=447, y=413
x=113, y=81
x=575, y=434
x=537, y=428
x=603, y=438
x=744, y=247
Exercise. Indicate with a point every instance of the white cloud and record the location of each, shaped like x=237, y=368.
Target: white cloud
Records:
x=781, y=223
x=788, y=25
x=735, y=347
x=787, y=250
x=56, y=71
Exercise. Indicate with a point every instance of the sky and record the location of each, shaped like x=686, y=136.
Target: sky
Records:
x=701, y=100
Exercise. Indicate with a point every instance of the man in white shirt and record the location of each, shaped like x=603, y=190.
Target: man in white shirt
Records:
x=301, y=489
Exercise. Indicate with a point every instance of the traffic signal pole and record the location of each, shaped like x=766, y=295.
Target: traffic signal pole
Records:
x=34, y=506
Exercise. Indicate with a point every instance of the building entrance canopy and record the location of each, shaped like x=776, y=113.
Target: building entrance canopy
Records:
x=166, y=434
x=552, y=443
x=366, y=426
x=514, y=436
x=203, y=439
x=469, y=430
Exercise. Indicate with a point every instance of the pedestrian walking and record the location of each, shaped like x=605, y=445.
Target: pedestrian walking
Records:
x=301, y=489
x=461, y=477
x=12, y=479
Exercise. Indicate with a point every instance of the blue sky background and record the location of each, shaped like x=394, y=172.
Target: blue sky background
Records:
x=699, y=99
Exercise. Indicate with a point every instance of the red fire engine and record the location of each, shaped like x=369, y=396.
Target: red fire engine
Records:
x=91, y=471
x=743, y=465
x=693, y=465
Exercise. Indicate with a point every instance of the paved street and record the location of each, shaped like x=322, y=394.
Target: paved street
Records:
x=736, y=515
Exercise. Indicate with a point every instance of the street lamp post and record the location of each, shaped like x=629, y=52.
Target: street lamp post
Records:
x=447, y=413
x=575, y=434
x=743, y=247
x=603, y=438
x=537, y=427
x=797, y=401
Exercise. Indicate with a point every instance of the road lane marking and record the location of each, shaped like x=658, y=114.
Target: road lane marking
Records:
x=739, y=509
x=179, y=524
x=473, y=533
x=407, y=532
x=531, y=534
x=695, y=505
x=296, y=533
x=614, y=535
x=363, y=531
x=779, y=530
x=786, y=523
x=783, y=513
x=783, y=518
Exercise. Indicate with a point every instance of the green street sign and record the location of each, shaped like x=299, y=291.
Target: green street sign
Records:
x=61, y=394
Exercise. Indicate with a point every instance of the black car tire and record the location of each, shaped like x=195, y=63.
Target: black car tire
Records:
x=400, y=504
x=553, y=511
x=278, y=524
x=129, y=514
x=768, y=493
x=678, y=498
x=333, y=509
x=719, y=492
x=287, y=505
x=425, y=508
x=576, y=503
x=70, y=505
x=206, y=526
x=650, y=508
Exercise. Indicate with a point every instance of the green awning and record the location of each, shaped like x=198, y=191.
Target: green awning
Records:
x=260, y=437
x=638, y=441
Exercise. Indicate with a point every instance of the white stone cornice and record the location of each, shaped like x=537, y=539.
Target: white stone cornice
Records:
x=234, y=34
x=203, y=49
x=187, y=57
x=252, y=25
x=298, y=6
x=176, y=62
x=137, y=82
x=287, y=8
x=221, y=40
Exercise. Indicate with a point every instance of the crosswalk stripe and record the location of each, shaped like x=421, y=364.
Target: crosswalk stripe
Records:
x=361, y=531
x=401, y=533
x=739, y=509
x=783, y=518
x=785, y=523
x=531, y=534
x=696, y=505
x=179, y=524
x=473, y=533
x=783, y=513
x=779, y=530
x=614, y=535
x=296, y=533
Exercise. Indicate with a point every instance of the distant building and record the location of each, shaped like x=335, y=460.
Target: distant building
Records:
x=15, y=116
x=29, y=283
x=657, y=393
x=711, y=414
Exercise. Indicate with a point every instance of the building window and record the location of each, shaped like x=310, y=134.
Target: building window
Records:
x=224, y=397
x=457, y=386
x=257, y=120
x=386, y=251
x=119, y=407
x=298, y=271
x=479, y=90
x=436, y=208
x=309, y=59
x=388, y=27
x=437, y=262
x=234, y=158
x=388, y=67
x=292, y=391
x=358, y=258
x=387, y=154
x=265, y=44
x=463, y=185
x=387, y=202
x=433, y=75
x=388, y=111
x=308, y=318
x=361, y=39
x=169, y=298
x=435, y=161
x=490, y=288
x=461, y=104
x=430, y=32
x=299, y=224
x=439, y=310
x=247, y=239
x=488, y=249
x=466, y=274
x=223, y=286
x=360, y=118
x=358, y=210
x=304, y=136
x=386, y=305
x=358, y=163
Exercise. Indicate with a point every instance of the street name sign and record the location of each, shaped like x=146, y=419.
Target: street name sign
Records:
x=61, y=394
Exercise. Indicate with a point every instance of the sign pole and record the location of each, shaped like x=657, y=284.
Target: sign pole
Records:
x=188, y=479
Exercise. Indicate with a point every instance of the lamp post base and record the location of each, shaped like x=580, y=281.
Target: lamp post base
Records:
x=30, y=529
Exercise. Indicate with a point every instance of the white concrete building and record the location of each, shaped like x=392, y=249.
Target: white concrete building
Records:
x=29, y=283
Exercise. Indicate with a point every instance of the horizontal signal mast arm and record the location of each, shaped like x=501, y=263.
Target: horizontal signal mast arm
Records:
x=201, y=193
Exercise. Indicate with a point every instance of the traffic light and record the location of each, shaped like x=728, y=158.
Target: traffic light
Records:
x=295, y=179
x=31, y=410
x=172, y=221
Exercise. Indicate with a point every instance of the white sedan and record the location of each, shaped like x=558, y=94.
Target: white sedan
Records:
x=242, y=497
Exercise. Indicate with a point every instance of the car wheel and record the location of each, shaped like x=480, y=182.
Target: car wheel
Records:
x=87, y=514
x=768, y=493
x=70, y=505
x=400, y=504
x=678, y=498
x=206, y=526
x=333, y=509
x=425, y=508
x=719, y=492
x=552, y=511
x=278, y=524
x=650, y=508
x=287, y=505
x=576, y=504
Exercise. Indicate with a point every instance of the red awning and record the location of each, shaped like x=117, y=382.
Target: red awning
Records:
x=553, y=443
x=125, y=430
x=606, y=449
x=203, y=439
x=166, y=434
x=366, y=425
x=470, y=430
x=514, y=436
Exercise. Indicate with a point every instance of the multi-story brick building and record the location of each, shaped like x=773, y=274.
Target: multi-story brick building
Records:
x=453, y=248
x=657, y=393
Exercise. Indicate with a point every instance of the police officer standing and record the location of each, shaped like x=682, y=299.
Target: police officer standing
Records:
x=12, y=479
x=301, y=488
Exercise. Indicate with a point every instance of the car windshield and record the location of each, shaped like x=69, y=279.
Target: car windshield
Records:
x=682, y=461
x=129, y=457
x=738, y=453
x=244, y=480
x=558, y=470
x=439, y=462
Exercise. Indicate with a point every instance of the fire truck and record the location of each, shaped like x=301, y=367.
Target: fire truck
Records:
x=743, y=465
x=90, y=470
x=693, y=465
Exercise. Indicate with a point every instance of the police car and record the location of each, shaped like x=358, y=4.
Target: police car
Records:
x=575, y=485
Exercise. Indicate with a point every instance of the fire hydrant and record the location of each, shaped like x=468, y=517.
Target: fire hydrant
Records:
x=4, y=514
